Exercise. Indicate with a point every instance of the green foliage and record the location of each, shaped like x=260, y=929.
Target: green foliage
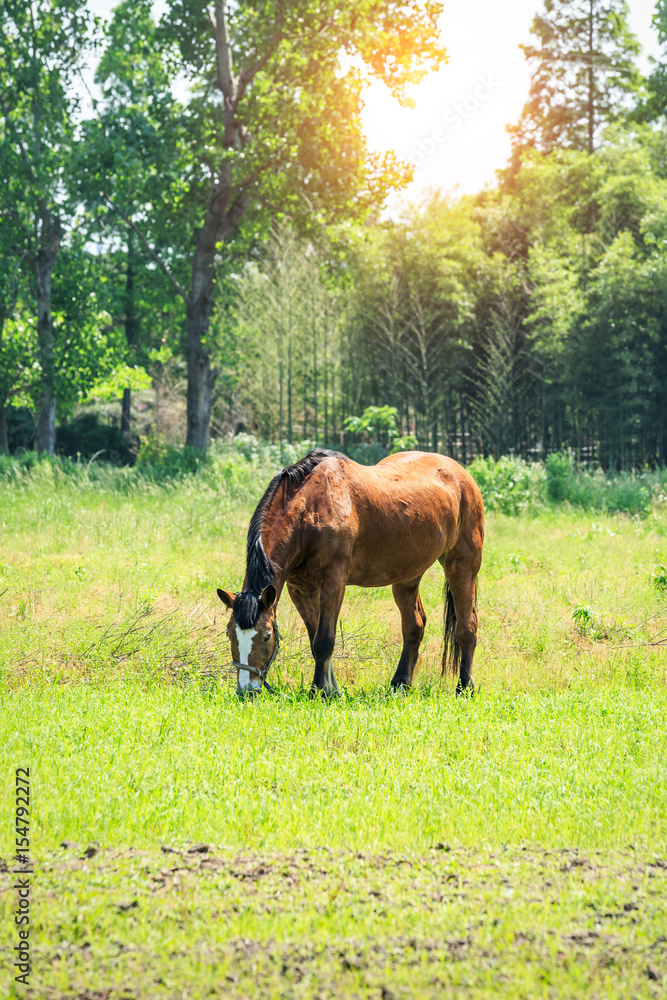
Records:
x=528, y=319
x=561, y=474
x=281, y=341
x=121, y=376
x=20, y=428
x=598, y=627
x=408, y=442
x=259, y=453
x=659, y=579
x=654, y=104
x=586, y=621
x=378, y=425
x=164, y=462
x=629, y=493
x=18, y=346
x=366, y=453
x=300, y=108
x=42, y=49
x=376, y=422
x=512, y=485
x=583, y=68
x=244, y=464
x=509, y=485
x=87, y=437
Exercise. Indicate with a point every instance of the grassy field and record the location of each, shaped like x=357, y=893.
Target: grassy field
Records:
x=512, y=845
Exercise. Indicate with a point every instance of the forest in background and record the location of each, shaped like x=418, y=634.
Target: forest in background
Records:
x=228, y=251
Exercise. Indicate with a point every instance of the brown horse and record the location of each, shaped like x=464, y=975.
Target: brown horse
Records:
x=327, y=522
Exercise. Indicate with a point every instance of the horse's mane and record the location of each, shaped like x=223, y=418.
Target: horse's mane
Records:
x=260, y=571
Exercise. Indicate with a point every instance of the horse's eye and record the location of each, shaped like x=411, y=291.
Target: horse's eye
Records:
x=267, y=637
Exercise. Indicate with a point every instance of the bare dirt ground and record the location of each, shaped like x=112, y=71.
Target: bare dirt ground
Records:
x=194, y=921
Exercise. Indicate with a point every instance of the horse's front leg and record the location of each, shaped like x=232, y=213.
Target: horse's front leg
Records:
x=332, y=591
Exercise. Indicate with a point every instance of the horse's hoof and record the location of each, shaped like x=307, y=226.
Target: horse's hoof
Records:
x=467, y=692
x=400, y=686
x=325, y=693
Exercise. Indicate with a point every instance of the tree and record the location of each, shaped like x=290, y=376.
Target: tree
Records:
x=416, y=283
x=274, y=127
x=41, y=48
x=130, y=159
x=654, y=106
x=287, y=331
x=15, y=329
x=583, y=71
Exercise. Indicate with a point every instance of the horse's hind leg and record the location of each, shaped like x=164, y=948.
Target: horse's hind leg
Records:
x=413, y=621
x=461, y=565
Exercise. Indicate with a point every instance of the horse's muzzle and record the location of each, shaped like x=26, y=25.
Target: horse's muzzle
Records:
x=248, y=690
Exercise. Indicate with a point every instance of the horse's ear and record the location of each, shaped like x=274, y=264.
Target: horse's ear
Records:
x=226, y=598
x=269, y=596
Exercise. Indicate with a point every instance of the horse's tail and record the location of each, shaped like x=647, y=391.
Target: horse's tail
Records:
x=451, y=651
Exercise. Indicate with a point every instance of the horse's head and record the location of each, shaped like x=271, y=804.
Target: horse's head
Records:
x=254, y=636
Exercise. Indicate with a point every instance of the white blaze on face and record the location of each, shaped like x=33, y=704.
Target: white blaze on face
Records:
x=244, y=637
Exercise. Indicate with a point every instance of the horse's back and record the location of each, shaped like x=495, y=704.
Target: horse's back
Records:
x=399, y=515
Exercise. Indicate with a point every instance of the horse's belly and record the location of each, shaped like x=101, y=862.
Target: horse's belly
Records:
x=386, y=576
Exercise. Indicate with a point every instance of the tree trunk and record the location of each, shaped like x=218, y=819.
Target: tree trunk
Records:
x=281, y=421
x=227, y=205
x=4, y=440
x=289, y=382
x=591, y=78
x=326, y=386
x=201, y=377
x=126, y=406
x=305, y=406
x=44, y=264
x=315, y=414
x=125, y=411
x=464, y=450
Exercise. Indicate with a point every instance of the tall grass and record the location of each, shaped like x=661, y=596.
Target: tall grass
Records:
x=503, y=828
x=512, y=485
x=240, y=467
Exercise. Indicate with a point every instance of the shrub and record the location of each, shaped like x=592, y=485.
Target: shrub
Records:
x=379, y=423
x=509, y=485
x=626, y=492
x=260, y=452
x=20, y=428
x=161, y=461
x=406, y=443
x=560, y=476
x=86, y=436
x=659, y=579
x=366, y=454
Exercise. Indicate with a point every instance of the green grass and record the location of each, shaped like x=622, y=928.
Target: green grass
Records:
x=582, y=768
x=512, y=845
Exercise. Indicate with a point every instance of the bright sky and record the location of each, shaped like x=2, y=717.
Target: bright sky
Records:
x=455, y=135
